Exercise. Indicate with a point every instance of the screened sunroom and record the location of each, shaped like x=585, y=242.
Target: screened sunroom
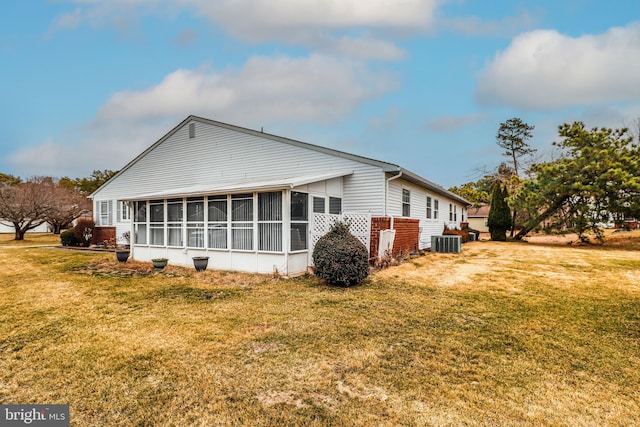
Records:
x=266, y=230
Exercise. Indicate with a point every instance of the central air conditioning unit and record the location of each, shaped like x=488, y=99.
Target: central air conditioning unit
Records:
x=446, y=244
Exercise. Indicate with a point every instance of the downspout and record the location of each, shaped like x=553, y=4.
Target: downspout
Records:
x=386, y=191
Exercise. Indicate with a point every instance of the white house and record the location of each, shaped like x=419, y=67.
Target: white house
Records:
x=250, y=200
x=7, y=227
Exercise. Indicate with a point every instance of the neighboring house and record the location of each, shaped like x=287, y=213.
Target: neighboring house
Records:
x=478, y=216
x=7, y=227
x=251, y=201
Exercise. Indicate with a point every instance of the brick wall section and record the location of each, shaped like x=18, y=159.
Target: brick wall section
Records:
x=377, y=224
x=407, y=234
x=103, y=234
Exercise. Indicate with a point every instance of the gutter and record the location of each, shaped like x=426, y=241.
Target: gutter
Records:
x=386, y=190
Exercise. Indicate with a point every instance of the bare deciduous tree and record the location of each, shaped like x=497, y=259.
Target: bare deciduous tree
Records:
x=26, y=205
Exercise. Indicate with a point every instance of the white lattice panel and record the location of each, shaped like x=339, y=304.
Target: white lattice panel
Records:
x=359, y=226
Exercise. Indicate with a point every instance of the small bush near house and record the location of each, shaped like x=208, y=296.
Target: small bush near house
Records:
x=83, y=231
x=340, y=258
x=68, y=238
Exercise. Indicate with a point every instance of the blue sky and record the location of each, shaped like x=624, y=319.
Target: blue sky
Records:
x=89, y=84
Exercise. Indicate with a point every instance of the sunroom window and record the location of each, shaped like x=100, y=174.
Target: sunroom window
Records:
x=156, y=222
x=335, y=205
x=299, y=220
x=195, y=222
x=140, y=223
x=270, y=222
x=242, y=221
x=217, y=222
x=318, y=204
x=174, y=222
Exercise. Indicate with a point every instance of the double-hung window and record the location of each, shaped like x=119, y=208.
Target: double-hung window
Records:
x=217, y=222
x=105, y=212
x=429, y=207
x=450, y=212
x=242, y=222
x=299, y=220
x=125, y=214
x=270, y=221
x=140, y=223
x=406, y=202
x=175, y=210
x=436, y=208
x=195, y=222
x=156, y=222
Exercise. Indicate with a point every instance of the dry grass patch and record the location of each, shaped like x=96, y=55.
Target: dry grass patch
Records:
x=30, y=239
x=502, y=334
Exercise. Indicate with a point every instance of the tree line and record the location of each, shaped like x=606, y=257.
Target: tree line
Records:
x=595, y=179
x=27, y=204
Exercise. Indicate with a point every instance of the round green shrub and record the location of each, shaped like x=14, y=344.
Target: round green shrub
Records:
x=340, y=258
x=68, y=238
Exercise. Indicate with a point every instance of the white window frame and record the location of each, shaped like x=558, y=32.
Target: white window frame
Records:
x=196, y=222
x=242, y=226
x=218, y=225
x=103, y=209
x=175, y=227
x=429, y=206
x=140, y=224
x=299, y=224
x=406, y=202
x=125, y=211
x=270, y=221
x=155, y=226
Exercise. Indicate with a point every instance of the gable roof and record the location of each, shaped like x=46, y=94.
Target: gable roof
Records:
x=385, y=166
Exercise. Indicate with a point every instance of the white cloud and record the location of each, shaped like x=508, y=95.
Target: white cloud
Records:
x=546, y=70
x=278, y=18
x=265, y=91
x=317, y=88
x=355, y=28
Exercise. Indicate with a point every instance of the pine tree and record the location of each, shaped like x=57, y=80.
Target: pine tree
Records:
x=499, y=220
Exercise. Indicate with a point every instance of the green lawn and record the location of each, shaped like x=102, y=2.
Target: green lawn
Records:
x=502, y=334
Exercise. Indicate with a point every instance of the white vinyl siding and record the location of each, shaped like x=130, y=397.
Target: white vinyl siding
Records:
x=178, y=161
